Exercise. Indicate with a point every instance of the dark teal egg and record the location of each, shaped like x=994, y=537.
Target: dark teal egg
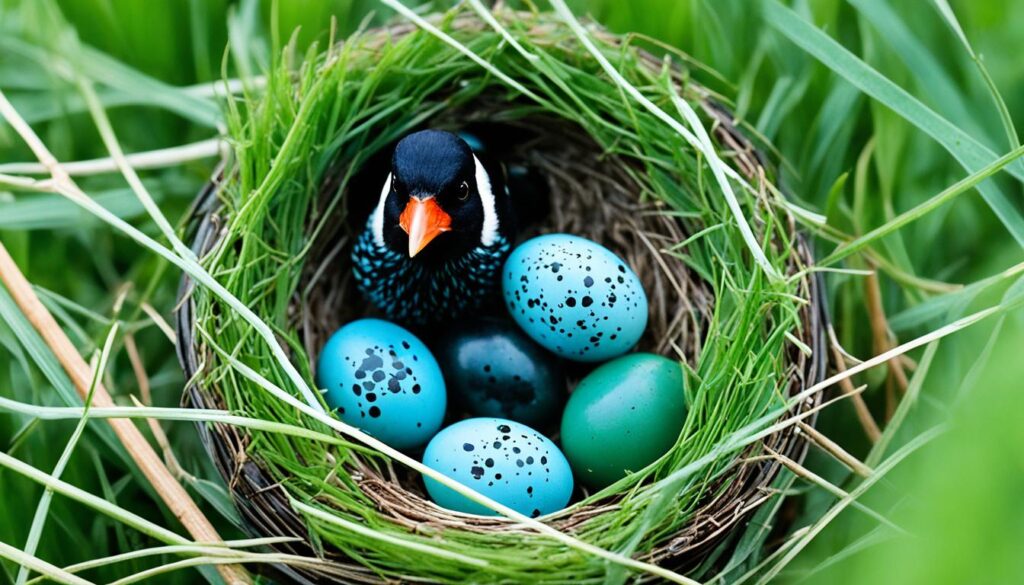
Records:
x=492, y=369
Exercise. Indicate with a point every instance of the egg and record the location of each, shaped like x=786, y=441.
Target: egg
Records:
x=382, y=379
x=623, y=416
x=574, y=297
x=493, y=369
x=504, y=460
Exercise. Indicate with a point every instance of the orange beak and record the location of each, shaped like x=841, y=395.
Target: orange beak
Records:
x=423, y=220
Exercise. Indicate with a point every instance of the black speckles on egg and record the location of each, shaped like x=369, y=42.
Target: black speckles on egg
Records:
x=372, y=366
x=376, y=377
x=598, y=291
x=492, y=455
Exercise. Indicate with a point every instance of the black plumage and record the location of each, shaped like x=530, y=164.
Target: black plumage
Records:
x=433, y=248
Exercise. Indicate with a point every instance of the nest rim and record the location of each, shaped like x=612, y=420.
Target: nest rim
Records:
x=264, y=503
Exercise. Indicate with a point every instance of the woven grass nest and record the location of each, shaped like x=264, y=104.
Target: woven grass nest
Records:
x=273, y=228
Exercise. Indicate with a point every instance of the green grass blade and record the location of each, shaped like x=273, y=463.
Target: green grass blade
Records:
x=927, y=70
x=970, y=153
x=43, y=508
x=924, y=208
x=51, y=212
x=42, y=567
x=945, y=305
x=1004, y=113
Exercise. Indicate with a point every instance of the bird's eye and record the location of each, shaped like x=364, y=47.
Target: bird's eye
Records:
x=463, y=191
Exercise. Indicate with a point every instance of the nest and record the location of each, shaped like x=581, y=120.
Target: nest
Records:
x=597, y=191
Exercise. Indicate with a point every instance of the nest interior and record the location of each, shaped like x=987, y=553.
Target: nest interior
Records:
x=638, y=197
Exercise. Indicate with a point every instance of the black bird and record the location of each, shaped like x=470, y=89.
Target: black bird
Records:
x=433, y=247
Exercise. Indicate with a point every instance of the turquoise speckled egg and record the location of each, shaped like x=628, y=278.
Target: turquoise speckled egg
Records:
x=382, y=379
x=506, y=461
x=574, y=297
x=493, y=369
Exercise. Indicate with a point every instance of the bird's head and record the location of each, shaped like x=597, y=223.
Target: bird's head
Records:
x=437, y=202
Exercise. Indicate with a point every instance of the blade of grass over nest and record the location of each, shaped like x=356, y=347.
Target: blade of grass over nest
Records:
x=427, y=26
x=702, y=146
x=385, y=538
x=42, y=509
x=971, y=154
x=1004, y=113
x=835, y=490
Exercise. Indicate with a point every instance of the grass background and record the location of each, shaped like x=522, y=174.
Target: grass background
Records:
x=845, y=155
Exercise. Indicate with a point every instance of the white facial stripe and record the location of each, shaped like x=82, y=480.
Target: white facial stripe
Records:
x=483, y=185
x=378, y=213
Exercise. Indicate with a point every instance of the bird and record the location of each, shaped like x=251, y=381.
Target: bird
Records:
x=433, y=247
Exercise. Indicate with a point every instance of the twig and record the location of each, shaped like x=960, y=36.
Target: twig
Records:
x=881, y=342
x=142, y=379
x=173, y=494
x=801, y=471
x=832, y=448
x=160, y=322
x=846, y=385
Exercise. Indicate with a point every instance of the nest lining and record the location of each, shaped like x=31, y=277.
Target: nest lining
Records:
x=599, y=192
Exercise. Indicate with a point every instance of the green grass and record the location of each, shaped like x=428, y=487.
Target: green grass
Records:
x=899, y=99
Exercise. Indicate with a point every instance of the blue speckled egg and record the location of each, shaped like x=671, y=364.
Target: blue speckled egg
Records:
x=504, y=460
x=574, y=297
x=382, y=379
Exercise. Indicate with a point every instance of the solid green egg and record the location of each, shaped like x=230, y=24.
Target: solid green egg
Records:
x=623, y=416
